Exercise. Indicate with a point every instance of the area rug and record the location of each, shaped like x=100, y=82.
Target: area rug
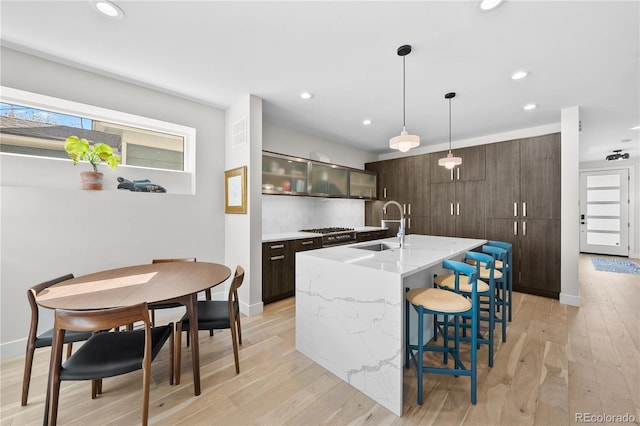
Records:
x=621, y=266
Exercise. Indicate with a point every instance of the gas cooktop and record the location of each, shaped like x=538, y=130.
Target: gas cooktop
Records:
x=328, y=230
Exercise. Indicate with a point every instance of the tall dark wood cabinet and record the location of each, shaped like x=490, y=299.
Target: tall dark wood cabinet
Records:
x=404, y=180
x=523, y=195
x=506, y=191
x=457, y=195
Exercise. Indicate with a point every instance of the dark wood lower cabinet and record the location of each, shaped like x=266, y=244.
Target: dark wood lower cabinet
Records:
x=536, y=253
x=279, y=267
x=370, y=235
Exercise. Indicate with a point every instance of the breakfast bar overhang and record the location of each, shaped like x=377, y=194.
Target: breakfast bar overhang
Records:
x=350, y=305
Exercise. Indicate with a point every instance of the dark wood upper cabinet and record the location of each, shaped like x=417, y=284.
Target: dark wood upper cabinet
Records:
x=502, y=186
x=540, y=177
x=472, y=167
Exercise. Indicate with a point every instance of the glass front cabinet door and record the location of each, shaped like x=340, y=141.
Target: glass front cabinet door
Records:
x=362, y=185
x=284, y=175
x=328, y=180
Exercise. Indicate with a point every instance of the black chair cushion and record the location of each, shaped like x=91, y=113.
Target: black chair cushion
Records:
x=46, y=338
x=212, y=315
x=109, y=354
x=165, y=305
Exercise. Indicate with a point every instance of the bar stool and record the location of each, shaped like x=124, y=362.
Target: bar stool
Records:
x=435, y=301
x=501, y=286
x=485, y=288
x=507, y=270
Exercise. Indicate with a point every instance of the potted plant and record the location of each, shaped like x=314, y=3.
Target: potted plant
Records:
x=80, y=149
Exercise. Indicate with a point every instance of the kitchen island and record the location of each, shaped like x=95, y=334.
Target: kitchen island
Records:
x=350, y=305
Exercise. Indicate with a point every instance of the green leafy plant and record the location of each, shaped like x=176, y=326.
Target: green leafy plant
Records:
x=80, y=149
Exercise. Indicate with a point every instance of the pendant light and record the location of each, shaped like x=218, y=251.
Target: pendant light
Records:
x=404, y=142
x=450, y=161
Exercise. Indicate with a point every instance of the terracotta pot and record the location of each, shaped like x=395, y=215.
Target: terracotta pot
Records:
x=91, y=180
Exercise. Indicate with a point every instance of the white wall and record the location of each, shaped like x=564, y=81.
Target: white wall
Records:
x=47, y=232
x=633, y=165
x=276, y=138
x=243, y=235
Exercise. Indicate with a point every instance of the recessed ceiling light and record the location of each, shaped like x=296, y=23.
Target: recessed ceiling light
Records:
x=625, y=140
x=367, y=122
x=108, y=9
x=306, y=95
x=490, y=4
x=528, y=107
x=635, y=128
x=519, y=75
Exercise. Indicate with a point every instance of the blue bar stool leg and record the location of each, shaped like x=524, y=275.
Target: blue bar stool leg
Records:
x=407, y=348
x=420, y=371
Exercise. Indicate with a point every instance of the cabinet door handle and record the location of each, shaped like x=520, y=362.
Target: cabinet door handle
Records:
x=277, y=257
x=451, y=174
x=524, y=209
x=384, y=193
x=451, y=209
x=515, y=209
x=409, y=223
x=409, y=208
x=306, y=243
x=277, y=246
x=457, y=209
x=458, y=171
x=524, y=228
x=515, y=227
x=404, y=209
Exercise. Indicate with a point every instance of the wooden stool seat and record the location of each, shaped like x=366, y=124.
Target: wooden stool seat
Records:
x=448, y=281
x=435, y=299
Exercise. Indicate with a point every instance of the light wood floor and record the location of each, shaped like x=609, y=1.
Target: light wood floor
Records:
x=558, y=361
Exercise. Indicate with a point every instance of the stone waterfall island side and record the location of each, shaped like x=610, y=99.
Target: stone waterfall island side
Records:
x=350, y=307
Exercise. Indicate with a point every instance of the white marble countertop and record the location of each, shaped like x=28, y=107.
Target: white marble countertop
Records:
x=296, y=235
x=420, y=252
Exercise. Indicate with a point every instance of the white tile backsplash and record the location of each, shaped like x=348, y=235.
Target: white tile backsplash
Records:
x=282, y=213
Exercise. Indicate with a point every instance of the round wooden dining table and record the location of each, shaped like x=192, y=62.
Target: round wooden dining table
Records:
x=151, y=283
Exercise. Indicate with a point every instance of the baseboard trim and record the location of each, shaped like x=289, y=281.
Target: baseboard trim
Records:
x=569, y=299
x=634, y=255
x=251, y=310
x=13, y=349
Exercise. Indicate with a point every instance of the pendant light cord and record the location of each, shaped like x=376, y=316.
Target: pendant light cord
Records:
x=449, y=124
x=403, y=94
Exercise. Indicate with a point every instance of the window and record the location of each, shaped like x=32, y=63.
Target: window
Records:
x=38, y=125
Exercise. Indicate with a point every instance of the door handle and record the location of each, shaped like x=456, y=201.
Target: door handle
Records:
x=524, y=209
x=409, y=208
x=515, y=227
x=404, y=209
x=458, y=171
x=409, y=223
x=524, y=228
x=451, y=210
x=306, y=243
x=384, y=193
x=277, y=257
x=457, y=209
x=277, y=246
x=515, y=209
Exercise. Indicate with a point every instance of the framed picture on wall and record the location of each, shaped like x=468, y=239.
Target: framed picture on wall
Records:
x=235, y=190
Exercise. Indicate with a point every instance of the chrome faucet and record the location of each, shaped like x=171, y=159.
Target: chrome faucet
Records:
x=401, y=230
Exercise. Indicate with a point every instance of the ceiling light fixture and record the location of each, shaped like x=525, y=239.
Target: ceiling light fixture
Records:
x=635, y=128
x=529, y=107
x=519, y=75
x=617, y=155
x=367, y=122
x=490, y=4
x=108, y=9
x=306, y=95
x=404, y=142
x=450, y=161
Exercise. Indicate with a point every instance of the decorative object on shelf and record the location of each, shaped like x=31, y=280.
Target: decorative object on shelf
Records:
x=144, y=185
x=617, y=155
x=80, y=150
x=450, y=161
x=404, y=142
x=235, y=190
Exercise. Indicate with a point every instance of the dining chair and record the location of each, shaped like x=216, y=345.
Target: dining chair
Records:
x=35, y=341
x=215, y=314
x=437, y=301
x=106, y=354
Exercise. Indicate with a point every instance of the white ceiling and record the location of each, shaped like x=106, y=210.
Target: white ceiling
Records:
x=579, y=53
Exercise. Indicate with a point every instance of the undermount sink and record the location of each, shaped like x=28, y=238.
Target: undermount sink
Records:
x=377, y=247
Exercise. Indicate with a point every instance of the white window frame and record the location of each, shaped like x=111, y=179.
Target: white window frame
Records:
x=35, y=100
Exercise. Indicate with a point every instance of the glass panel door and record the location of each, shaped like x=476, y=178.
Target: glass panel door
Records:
x=604, y=209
